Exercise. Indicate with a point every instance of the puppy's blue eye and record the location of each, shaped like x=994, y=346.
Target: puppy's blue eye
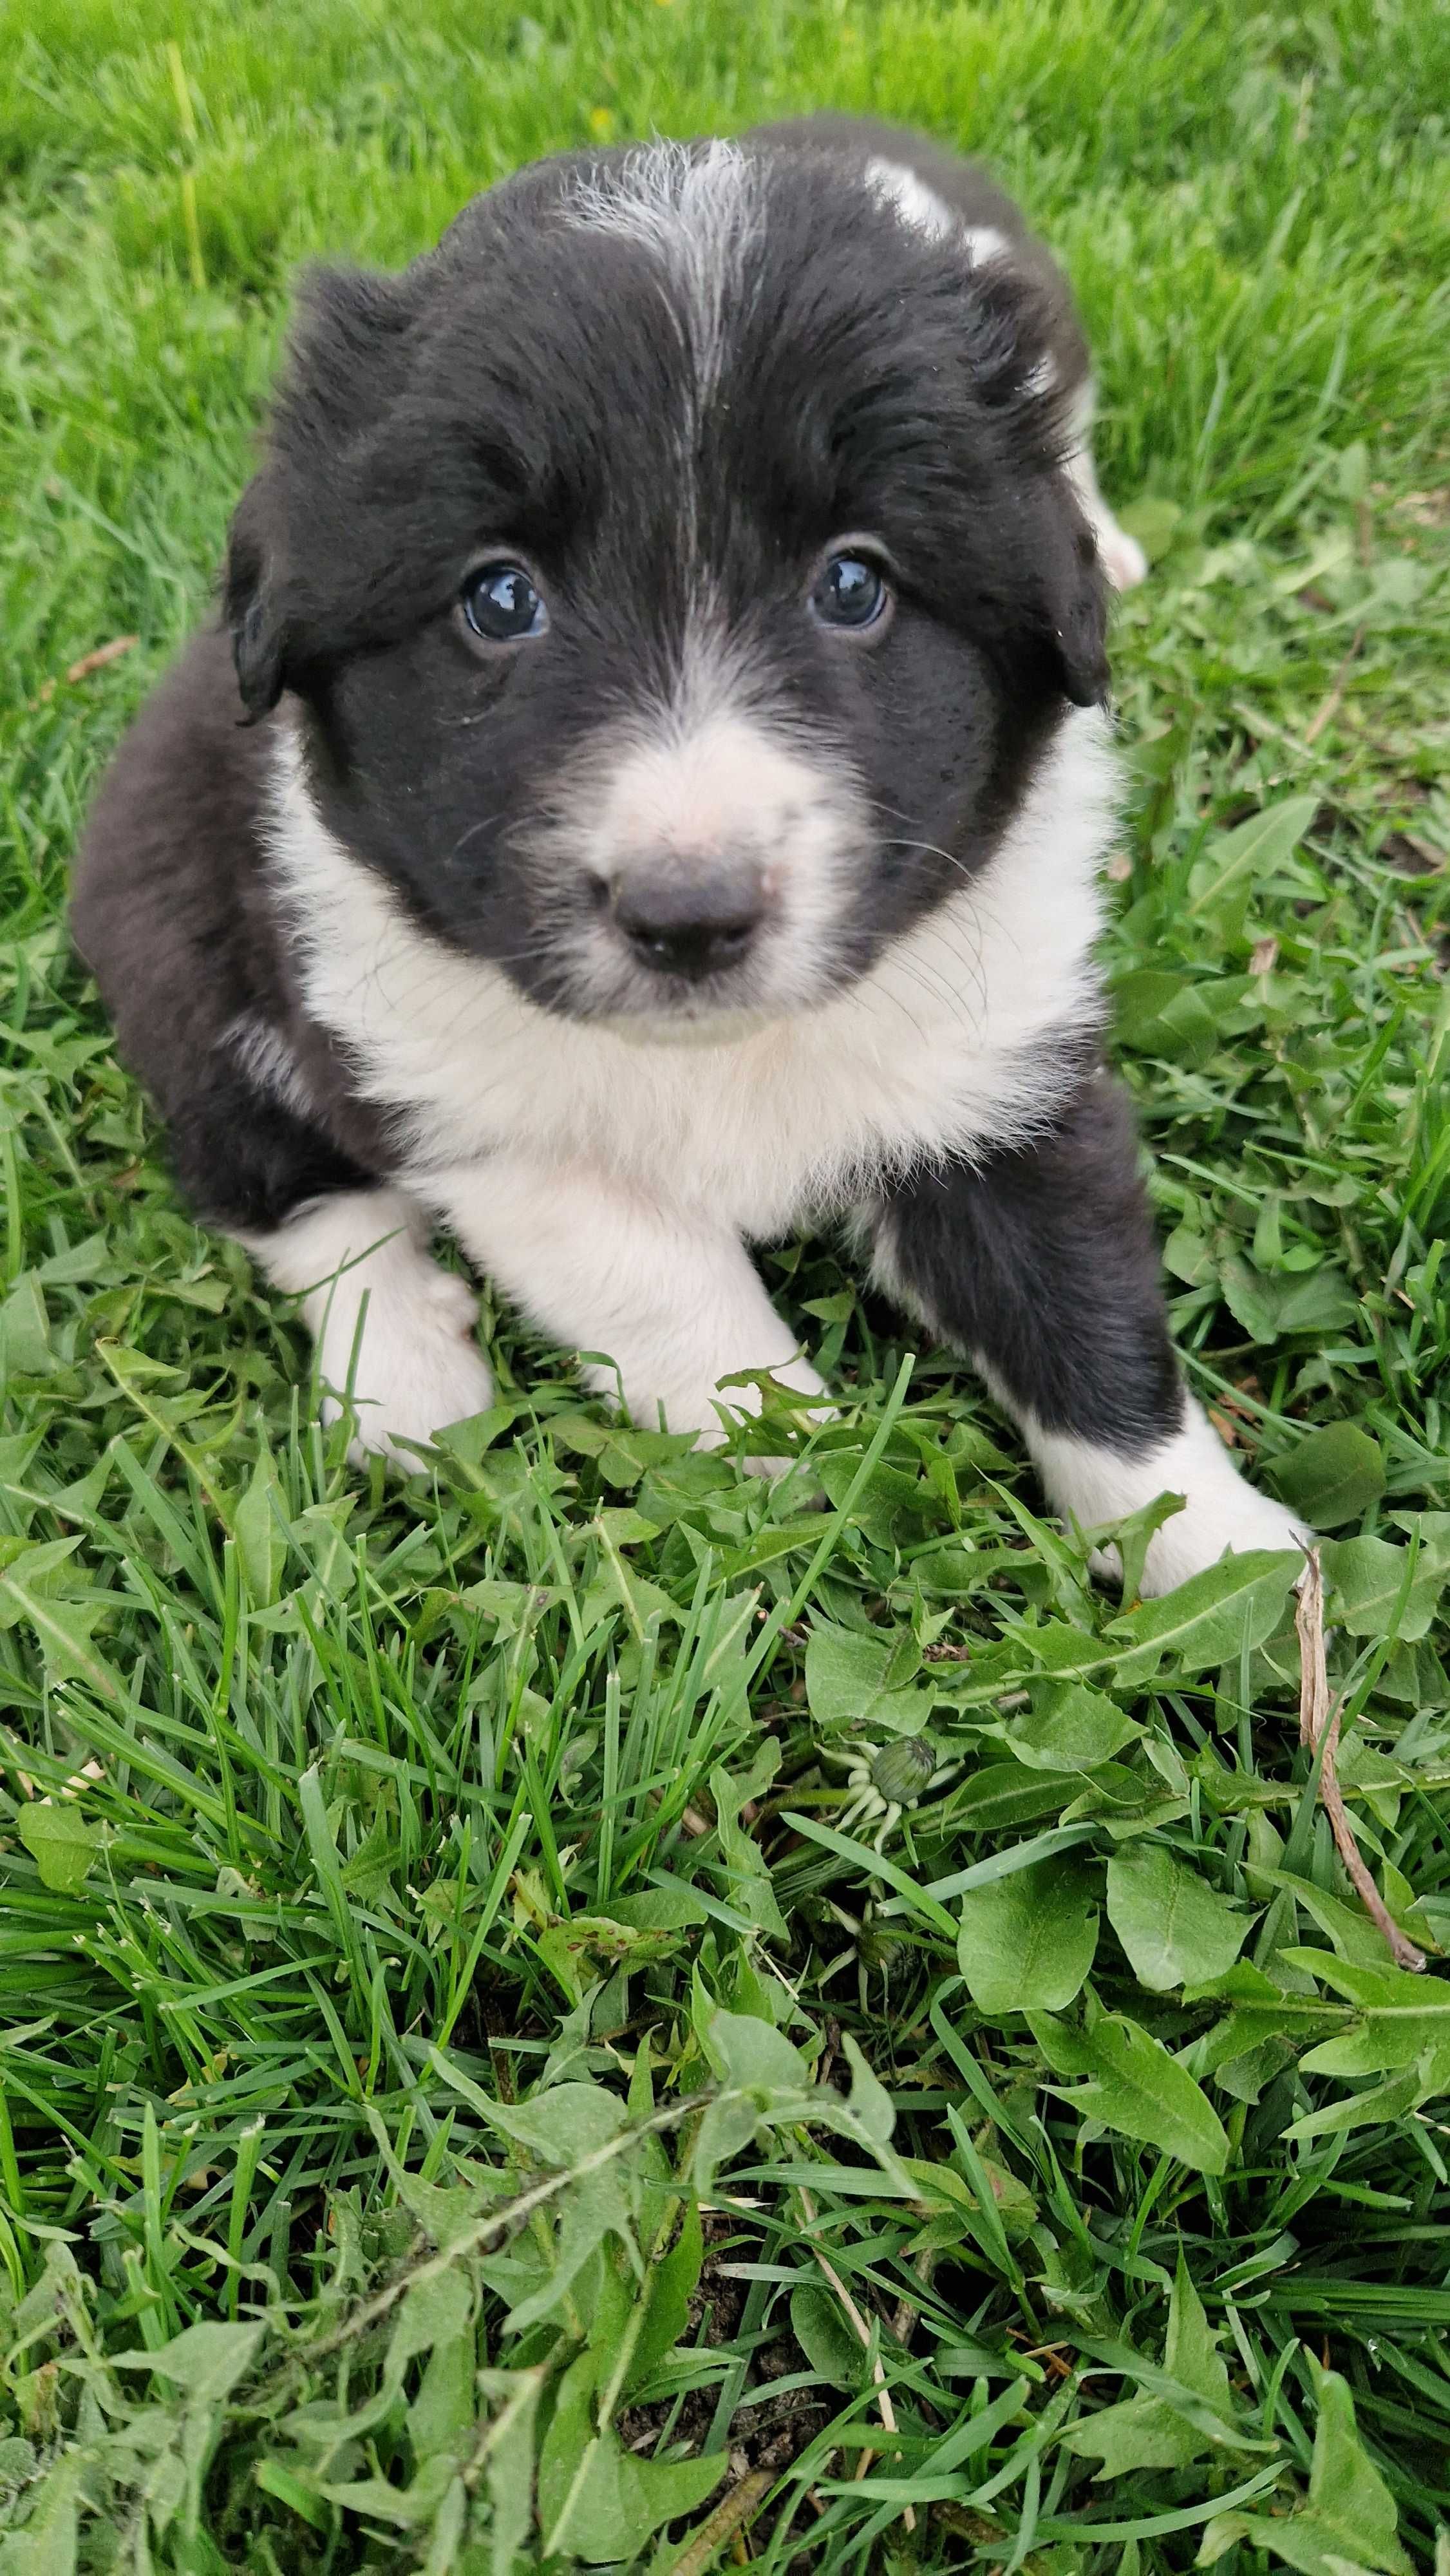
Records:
x=501, y=604
x=851, y=592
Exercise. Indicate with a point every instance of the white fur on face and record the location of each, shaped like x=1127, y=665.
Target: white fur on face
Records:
x=703, y=784
x=671, y=1300
x=1221, y=1513
x=385, y=1318
x=695, y=212
x=945, y=1046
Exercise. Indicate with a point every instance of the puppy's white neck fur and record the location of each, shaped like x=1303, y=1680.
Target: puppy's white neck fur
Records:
x=939, y=1049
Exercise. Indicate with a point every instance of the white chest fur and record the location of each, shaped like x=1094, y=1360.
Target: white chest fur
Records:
x=939, y=1048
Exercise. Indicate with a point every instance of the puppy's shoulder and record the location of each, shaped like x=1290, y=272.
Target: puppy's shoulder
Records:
x=966, y=186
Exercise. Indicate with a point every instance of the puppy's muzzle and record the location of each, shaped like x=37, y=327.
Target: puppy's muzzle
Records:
x=689, y=920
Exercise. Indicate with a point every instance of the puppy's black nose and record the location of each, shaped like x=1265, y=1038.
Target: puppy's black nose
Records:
x=689, y=920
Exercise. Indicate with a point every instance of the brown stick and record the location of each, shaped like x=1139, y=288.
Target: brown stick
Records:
x=734, y=2510
x=82, y=669
x=103, y=654
x=1319, y=1727
x=906, y=2316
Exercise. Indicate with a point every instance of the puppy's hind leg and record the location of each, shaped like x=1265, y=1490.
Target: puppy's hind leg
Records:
x=1123, y=558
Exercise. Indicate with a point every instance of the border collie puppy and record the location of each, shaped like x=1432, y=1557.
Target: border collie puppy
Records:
x=645, y=795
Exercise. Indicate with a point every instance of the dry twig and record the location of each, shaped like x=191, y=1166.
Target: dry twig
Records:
x=906, y=2316
x=1319, y=1730
x=81, y=670
x=726, y=2522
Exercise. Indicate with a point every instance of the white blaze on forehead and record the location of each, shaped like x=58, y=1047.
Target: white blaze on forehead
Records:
x=985, y=242
x=916, y=203
x=696, y=212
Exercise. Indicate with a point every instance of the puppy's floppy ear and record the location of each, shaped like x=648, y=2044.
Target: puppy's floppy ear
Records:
x=1030, y=367
x=345, y=365
x=347, y=354
x=251, y=608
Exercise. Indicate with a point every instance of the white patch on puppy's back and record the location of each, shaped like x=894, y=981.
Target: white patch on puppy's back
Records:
x=1123, y=558
x=944, y=1046
x=916, y=203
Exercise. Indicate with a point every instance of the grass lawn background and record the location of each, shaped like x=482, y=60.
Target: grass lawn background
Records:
x=415, y=1901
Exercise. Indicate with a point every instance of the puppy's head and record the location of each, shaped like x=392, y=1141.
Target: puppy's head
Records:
x=678, y=572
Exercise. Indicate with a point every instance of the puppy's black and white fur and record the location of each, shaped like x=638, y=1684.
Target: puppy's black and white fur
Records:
x=646, y=794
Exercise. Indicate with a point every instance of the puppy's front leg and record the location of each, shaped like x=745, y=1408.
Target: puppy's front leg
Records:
x=385, y=1318
x=1041, y=1264
x=671, y=1297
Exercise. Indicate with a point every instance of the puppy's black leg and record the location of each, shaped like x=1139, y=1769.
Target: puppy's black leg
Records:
x=387, y=1321
x=1041, y=1265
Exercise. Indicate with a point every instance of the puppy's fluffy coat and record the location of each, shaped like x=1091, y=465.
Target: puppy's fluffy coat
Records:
x=646, y=793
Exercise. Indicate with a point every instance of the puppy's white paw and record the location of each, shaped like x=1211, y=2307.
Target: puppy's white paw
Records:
x=697, y=1408
x=418, y=1367
x=1220, y=1514
x=1217, y=1523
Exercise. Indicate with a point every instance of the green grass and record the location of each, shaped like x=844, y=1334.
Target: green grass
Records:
x=415, y=1902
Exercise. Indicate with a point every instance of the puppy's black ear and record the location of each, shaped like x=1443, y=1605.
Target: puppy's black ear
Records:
x=251, y=607
x=347, y=355
x=1030, y=366
x=345, y=365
